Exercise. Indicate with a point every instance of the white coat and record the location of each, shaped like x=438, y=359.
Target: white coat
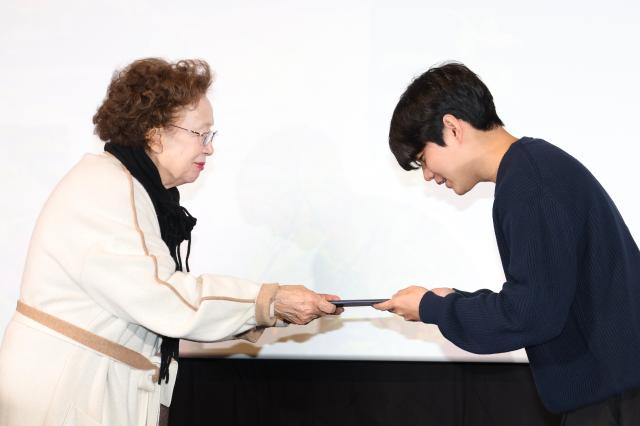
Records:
x=97, y=261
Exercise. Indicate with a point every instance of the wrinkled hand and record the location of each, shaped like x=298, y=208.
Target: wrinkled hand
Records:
x=330, y=297
x=405, y=303
x=299, y=305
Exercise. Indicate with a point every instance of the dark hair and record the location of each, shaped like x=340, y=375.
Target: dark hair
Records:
x=451, y=88
x=146, y=94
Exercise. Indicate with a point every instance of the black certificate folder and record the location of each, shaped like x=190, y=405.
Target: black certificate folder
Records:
x=357, y=302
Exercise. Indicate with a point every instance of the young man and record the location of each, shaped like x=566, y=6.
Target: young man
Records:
x=572, y=290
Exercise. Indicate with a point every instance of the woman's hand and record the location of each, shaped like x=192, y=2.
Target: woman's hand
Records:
x=299, y=305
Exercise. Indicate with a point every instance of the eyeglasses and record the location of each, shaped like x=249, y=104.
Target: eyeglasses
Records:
x=207, y=137
x=418, y=162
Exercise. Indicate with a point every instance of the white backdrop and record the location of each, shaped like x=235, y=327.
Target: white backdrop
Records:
x=302, y=187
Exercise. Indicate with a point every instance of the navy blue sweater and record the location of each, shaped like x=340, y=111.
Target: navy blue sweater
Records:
x=572, y=290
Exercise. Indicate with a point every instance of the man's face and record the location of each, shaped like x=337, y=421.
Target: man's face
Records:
x=448, y=164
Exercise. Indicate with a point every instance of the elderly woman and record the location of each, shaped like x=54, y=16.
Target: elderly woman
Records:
x=105, y=293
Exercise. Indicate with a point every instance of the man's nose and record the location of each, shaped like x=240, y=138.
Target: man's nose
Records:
x=428, y=174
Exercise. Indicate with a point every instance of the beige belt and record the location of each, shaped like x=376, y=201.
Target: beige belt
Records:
x=90, y=340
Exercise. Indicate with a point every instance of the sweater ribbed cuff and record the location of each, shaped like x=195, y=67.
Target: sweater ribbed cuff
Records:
x=431, y=307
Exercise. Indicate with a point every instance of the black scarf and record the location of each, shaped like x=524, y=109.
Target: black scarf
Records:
x=175, y=223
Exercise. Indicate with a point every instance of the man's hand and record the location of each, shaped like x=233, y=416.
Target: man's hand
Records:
x=299, y=305
x=406, y=303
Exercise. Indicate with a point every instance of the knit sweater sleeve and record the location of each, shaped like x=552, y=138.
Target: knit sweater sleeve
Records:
x=534, y=302
x=471, y=293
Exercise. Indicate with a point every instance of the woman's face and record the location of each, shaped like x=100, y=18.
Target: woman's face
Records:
x=179, y=154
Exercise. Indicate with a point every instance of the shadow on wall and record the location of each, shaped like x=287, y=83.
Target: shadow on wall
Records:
x=348, y=239
x=297, y=186
x=426, y=333
x=297, y=178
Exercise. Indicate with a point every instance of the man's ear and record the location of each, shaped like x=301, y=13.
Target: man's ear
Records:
x=154, y=140
x=453, y=125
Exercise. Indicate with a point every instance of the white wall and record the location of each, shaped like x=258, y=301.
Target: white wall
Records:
x=303, y=188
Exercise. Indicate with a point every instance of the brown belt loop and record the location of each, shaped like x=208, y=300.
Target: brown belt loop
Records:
x=90, y=340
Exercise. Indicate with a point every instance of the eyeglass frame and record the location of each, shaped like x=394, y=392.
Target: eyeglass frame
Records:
x=207, y=137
